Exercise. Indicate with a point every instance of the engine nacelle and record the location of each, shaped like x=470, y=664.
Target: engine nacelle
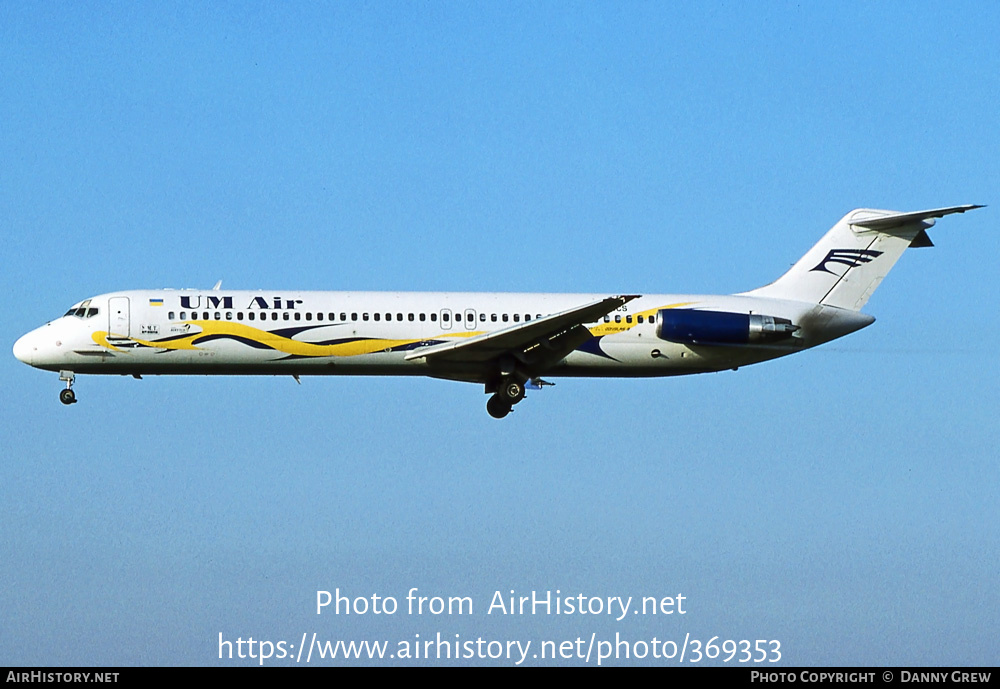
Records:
x=690, y=326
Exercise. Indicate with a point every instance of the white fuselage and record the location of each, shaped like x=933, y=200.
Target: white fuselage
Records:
x=284, y=332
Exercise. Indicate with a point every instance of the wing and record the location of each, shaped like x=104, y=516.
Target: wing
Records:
x=536, y=344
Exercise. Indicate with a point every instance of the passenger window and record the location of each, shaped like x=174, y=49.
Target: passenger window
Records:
x=274, y=315
x=618, y=319
x=298, y=316
x=628, y=319
x=409, y=317
x=504, y=318
x=285, y=317
x=251, y=315
x=445, y=317
x=434, y=318
x=399, y=317
x=170, y=316
x=493, y=317
x=364, y=316
x=517, y=318
x=378, y=316
x=204, y=315
x=183, y=315
x=229, y=315
x=423, y=317
x=309, y=316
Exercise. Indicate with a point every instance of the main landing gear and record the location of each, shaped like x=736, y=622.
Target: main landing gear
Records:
x=497, y=408
x=509, y=392
x=67, y=396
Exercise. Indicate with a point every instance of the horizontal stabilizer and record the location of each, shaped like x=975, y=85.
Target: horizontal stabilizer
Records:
x=887, y=222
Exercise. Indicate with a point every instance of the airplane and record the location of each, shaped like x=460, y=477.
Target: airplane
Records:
x=504, y=341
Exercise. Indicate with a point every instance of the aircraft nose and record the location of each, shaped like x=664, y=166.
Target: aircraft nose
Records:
x=23, y=349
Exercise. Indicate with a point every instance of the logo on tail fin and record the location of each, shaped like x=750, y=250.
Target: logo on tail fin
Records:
x=848, y=257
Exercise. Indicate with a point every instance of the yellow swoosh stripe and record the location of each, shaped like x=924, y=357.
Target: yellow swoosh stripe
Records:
x=277, y=342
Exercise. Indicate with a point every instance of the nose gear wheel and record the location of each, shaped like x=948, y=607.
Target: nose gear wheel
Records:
x=67, y=396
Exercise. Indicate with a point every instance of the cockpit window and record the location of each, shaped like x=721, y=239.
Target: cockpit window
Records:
x=84, y=310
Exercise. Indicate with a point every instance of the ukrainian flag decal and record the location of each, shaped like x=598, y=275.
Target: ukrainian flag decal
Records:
x=156, y=302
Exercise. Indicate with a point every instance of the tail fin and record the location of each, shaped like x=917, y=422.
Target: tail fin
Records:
x=851, y=260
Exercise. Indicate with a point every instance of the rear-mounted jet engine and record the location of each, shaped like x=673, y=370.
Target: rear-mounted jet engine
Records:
x=690, y=326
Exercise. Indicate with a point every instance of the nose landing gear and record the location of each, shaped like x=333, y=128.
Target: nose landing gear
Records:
x=67, y=396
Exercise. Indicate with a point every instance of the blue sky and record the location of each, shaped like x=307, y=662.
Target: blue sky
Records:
x=843, y=501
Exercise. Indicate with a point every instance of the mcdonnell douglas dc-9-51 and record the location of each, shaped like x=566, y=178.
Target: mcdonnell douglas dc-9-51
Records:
x=506, y=342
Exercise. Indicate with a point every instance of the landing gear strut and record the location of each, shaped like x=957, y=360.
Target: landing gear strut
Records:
x=67, y=396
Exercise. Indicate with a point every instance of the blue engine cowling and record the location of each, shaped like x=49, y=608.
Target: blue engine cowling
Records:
x=690, y=326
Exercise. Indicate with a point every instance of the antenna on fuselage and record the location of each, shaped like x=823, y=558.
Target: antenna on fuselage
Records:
x=218, y=286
